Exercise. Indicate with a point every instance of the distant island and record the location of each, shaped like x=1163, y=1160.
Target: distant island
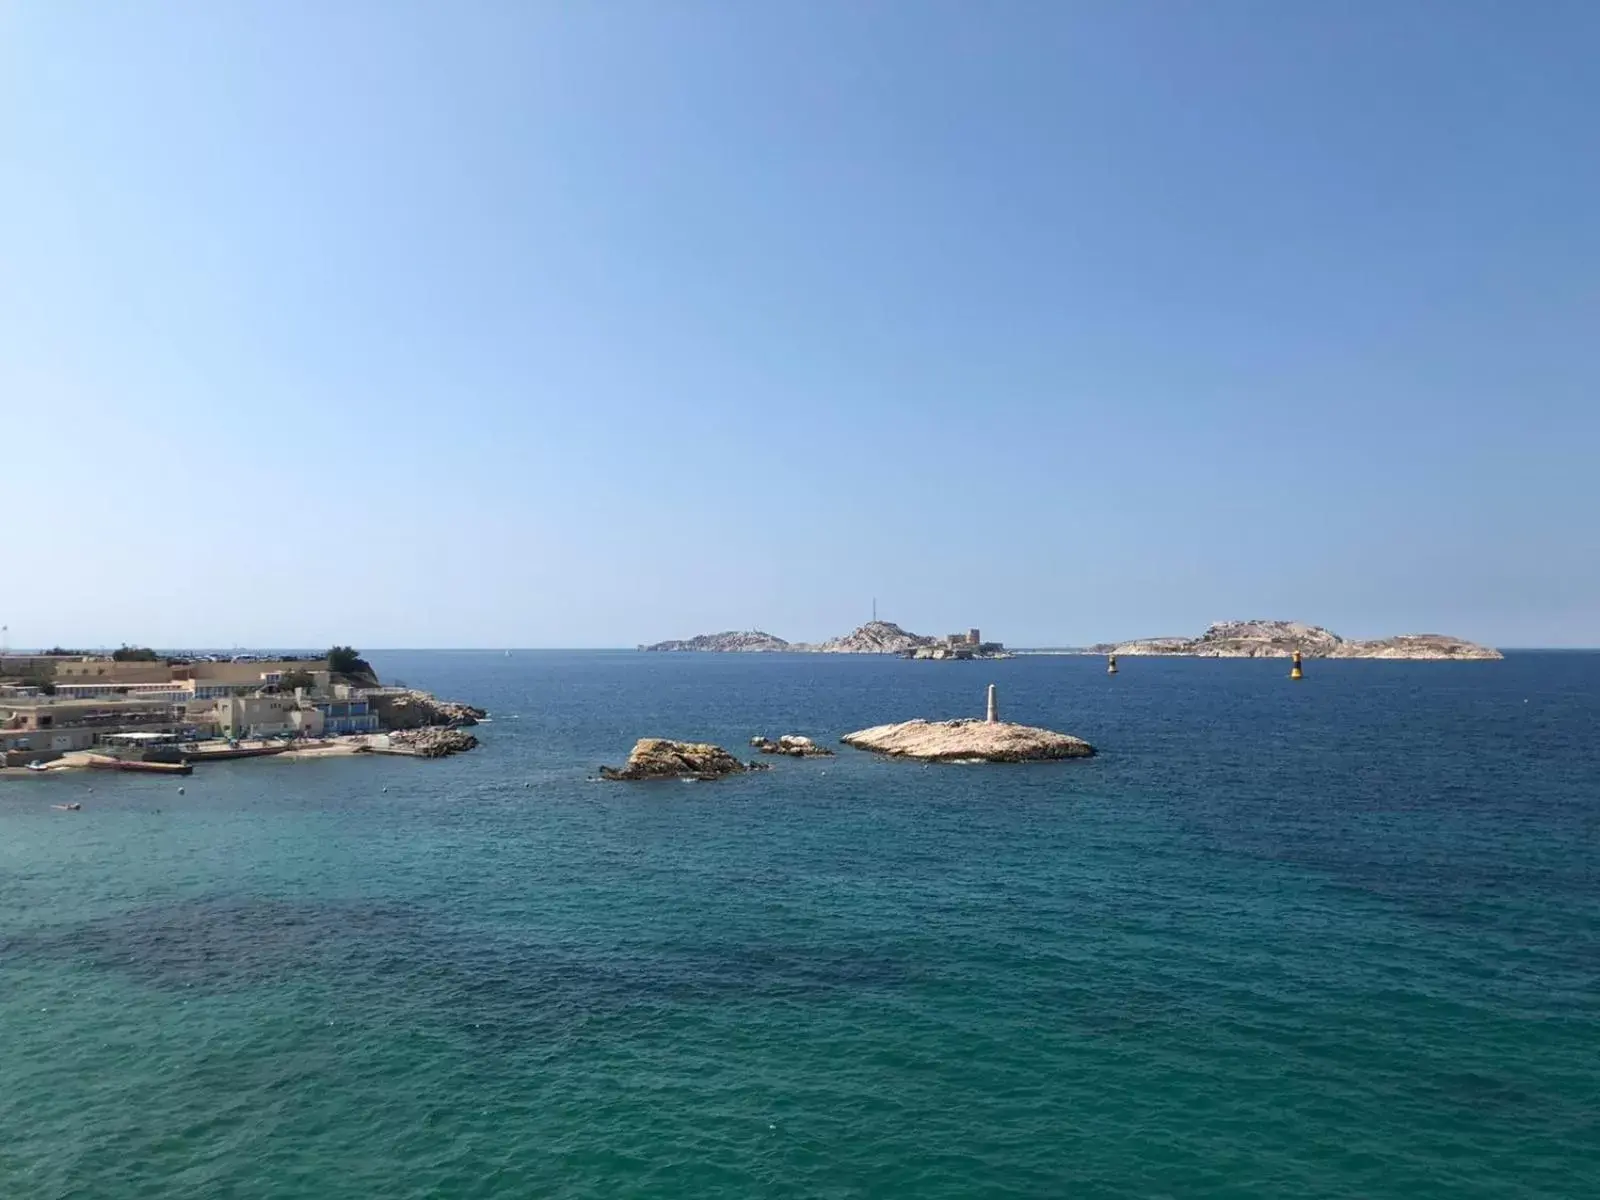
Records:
x=730, y=642
x=1280, y=639
x=875, y=637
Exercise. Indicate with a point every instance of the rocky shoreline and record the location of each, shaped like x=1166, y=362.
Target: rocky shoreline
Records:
x=413, y=709
x=432, y=742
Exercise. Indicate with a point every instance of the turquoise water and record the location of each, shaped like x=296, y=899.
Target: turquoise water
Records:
x=1333, y=939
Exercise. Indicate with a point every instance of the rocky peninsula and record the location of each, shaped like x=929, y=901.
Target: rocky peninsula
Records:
x=1280, y=639
x=413, y=709
x=989, y=740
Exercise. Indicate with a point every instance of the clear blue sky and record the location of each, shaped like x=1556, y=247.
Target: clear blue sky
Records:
x=587, y=324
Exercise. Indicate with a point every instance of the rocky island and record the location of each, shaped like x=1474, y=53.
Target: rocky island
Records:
x=875, y=637
x=989, y=740
x=661, y=758
x=753, y=641
x=1280, y=639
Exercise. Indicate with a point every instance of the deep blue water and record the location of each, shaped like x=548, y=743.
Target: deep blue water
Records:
x=1340, y=939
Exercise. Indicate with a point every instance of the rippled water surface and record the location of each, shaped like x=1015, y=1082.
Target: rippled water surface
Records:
x=1339, y=938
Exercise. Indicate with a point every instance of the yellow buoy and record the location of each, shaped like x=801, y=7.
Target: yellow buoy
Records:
x=1111, y=664
x=1295, y=672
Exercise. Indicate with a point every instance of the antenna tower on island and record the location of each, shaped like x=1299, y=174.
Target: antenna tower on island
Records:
x=874, y=608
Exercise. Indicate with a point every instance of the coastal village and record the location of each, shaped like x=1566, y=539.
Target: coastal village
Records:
x=137, y=710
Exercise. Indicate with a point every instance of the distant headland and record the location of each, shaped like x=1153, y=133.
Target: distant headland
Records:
x=875, y=637
x=1224, y=639
x=1280, y=639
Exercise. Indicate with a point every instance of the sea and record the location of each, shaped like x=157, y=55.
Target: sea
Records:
x=1334, y=938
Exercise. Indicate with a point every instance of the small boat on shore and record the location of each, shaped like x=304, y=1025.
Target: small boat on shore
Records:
x=73, y=807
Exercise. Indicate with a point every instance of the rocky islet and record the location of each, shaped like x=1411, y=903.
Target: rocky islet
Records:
x=661, y=758
x=968, y=740
x=793, y=745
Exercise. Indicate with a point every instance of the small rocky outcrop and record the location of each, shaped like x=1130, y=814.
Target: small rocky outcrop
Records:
x=986, y=741
x=434, y=742
x=659, y=758
x=791, y=744
x=412, y=709
x=751, y=642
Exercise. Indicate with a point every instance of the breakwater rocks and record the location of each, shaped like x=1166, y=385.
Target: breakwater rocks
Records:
x=970, y=740
x=1280, y=639
x=432, y=742
x=791, y=744
x=412, y=709
x=659, y=758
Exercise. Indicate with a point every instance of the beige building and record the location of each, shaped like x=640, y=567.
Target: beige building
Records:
x=30, y=666
x=23, y=744
x=91, y=670
x=255, y=716
x=185, y=682
x=308, y=721
x=239, y=674
x=46, y=727
x=169, y=691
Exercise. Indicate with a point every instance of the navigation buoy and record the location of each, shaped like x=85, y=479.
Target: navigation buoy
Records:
x=1295, y=672
x=1111, y=664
